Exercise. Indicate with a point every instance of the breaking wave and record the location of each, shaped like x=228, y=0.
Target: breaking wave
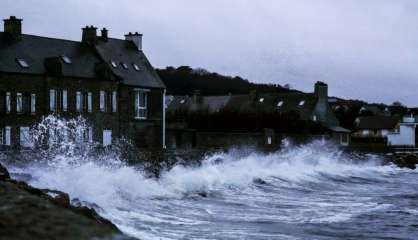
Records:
x=230, y=195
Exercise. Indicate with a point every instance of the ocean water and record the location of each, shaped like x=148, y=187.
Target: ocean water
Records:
x=311, y=191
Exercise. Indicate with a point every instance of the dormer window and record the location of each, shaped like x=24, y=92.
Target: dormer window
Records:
x=66, y=59
x=136, y=67
x=301, y=103
x=124, y=65
x=113, y=63
x=261, y=100
x=280, y=104
x=22, y=62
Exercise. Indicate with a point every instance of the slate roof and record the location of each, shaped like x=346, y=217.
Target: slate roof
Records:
x=35, y=50
x=377, y=122
x=185, y=103
x=248, y=103
x=122, y=51
x=84, y=58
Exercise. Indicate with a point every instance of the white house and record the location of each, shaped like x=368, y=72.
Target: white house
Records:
x=406, y=134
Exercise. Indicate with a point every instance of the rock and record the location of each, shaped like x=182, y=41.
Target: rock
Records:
x=30, y=213
x=259, y=181
x=409, y=161
x=4, y=174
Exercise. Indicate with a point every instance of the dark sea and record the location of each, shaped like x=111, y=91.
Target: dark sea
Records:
x=311, y=191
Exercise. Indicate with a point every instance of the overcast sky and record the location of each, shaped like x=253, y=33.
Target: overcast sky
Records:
x=364, y=49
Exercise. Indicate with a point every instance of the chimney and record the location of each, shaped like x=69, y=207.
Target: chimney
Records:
x=89, y=35
x=136, y=38
x=104, y=34
x=13, y=26
x=321, y=91
x=197, y=98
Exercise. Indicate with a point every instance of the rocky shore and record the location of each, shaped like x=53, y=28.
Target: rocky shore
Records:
x=31, y=213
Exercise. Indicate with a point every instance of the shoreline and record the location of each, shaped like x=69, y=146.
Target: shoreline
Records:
x=31, y=213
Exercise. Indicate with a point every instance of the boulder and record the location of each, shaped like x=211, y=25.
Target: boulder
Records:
x=408, y=161
x=4, y=174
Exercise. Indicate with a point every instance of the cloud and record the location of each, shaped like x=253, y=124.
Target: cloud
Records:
x=363, y=49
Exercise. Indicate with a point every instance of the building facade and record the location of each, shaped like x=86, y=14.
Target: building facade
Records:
x=107, y=81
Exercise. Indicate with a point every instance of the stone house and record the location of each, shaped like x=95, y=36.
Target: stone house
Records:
x=107, y=81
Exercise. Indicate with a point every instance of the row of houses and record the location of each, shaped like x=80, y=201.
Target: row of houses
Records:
x=108, y=81
x=375, y=126
x=311, y=107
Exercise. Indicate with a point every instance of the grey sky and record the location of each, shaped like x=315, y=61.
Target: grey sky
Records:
x=364, y=49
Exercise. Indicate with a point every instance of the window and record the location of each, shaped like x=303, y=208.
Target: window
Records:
x=261, y=100
x=269, y=142
x=107, y=137
x=315, y=118
x=301, y=103
x=124, y=65
x=53, y=100
x=6, y=136
x=19, y=103
x=102, y=101
x=88, y=135
x=280, y=104
x=64, y=100
x=78, y=101
x=33, y=103
x=141, y=99
x=22, y=62
x=66, y=59
x=8, y=102
x=114, y=102
x=25, y=137
x=113, y=63
x=136, y=67
x=344, y=139
x=89, y=102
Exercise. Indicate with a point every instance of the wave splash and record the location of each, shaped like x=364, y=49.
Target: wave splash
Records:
x=155, y=208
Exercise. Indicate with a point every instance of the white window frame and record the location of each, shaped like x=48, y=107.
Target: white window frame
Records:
x=107, y=137
x=33, y=103
x=90, y=102
x=19, y=102
x=78, y=101
x=53, y=100
x=102, y=101
x=64, y=100
x=114, y=101
x=8, y=102
x=7, y=136
x=141, y=108
x=25, y=137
